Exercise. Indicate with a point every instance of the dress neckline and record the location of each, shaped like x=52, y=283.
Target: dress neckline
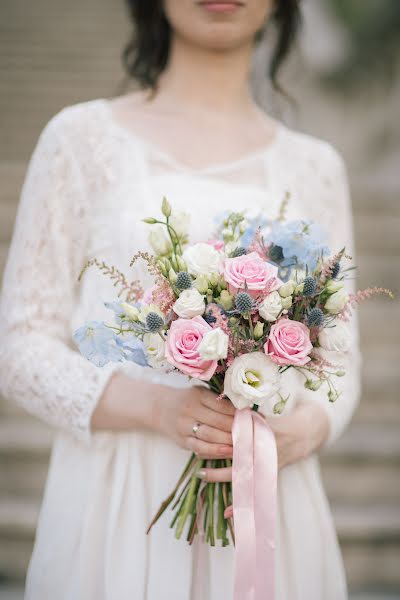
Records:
x=260, y=153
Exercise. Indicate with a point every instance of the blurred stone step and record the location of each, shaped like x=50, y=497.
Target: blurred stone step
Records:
x=362, y=484
x=18, y=518
x=370, y=540
x=378, y=234
x=24, y=456
x=367, y=443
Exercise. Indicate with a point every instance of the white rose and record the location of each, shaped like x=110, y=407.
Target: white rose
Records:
x=252, y=379
x=179, y=221
x=155, y=349
x=189, y=304
x=334, y=286
x=270, y=307
x=214, y=345
x=336, y=338
x=337, y=301
x=159, y=241
x=202, y=259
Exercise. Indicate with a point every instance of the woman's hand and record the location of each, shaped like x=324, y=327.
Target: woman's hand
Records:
x=198, y=406
x=297, y=435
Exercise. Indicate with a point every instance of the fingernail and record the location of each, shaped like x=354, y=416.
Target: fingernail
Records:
x=201, y=474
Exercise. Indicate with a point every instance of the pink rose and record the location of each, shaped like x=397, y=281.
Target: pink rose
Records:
x=288, y=343
x=182, y=345
x=259, y=275
x=218, y=245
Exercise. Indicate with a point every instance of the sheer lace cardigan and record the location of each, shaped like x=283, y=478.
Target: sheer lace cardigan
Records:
x=76, y=156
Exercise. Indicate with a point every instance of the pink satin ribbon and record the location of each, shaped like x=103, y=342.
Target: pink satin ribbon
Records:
x=254, y=477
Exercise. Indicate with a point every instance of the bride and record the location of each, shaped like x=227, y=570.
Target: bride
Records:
x=194, y=134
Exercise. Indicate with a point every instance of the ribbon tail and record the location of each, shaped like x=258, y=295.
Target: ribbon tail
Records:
x=265, y=489
x=243, y=506
x=254, y=481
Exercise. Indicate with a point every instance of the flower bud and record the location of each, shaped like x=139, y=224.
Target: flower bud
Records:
x=214, y=279
x=150, y=220
x=166, y=208
x=172, y=275
x=334, y=286
x=287, y=302
x=130, y=311
x=313, y=384
x=226, y=300
x=287, y=289
x=201, y=284
x=279, y=407
x=258, y=330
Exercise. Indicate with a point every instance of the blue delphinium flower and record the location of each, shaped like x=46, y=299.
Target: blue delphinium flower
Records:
x=133, y=349
x=252, y=225
x=98, y=343
x=302, y=243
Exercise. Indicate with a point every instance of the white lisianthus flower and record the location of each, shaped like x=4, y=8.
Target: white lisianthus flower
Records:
x=189, y=304
x=148, y=308
x=252, y=379
x=270, y=307
x=214, y=345
x=336, y=338
x=132, y=312
x=202, y=259
x=337, y=301
x=159, y=241
x=155, y=349
x=179, y=221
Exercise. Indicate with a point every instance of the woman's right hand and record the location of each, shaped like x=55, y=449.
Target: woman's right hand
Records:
x=186, y=408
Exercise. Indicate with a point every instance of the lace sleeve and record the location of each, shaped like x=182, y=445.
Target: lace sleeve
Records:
x=340, y=228
x=39, y=368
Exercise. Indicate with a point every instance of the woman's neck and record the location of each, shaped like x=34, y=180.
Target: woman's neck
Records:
x=206, y=82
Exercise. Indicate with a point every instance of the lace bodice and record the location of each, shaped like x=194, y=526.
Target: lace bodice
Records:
x=88, y=185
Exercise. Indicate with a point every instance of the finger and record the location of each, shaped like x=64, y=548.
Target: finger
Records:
x=228, y=512
x=222, y=405
x=212, y=418
x=207, y=450
x=208, y=434
x=215, y=475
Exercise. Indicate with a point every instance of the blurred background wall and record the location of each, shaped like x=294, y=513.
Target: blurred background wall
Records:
x=344, y=75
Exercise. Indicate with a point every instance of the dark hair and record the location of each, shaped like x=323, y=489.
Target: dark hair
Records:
x=146, y=54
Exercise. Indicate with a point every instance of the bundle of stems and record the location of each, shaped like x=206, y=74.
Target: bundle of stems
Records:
x=198, y=506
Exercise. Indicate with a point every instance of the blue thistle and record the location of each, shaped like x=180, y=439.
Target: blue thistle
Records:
x=154, y=322
x=335, y=270
x=315, y=317
x=309, y=286
x=243, y=302
x=183, y=281
x=275, y=253
x=209, y=318
x=239, y=251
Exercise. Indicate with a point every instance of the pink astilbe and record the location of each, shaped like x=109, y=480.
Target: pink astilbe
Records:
x=257, y=245
x=329, y=265
x=319, y=364
x=133, y=290
x=362, y=295
x=163, y=295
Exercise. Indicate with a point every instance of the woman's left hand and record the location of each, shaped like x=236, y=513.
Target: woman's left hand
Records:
x=297, y=435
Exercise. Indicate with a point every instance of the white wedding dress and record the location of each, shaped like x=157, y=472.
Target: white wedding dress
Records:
x=89, y=185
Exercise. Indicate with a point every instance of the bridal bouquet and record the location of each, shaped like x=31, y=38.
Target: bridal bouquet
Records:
x=235, y=312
